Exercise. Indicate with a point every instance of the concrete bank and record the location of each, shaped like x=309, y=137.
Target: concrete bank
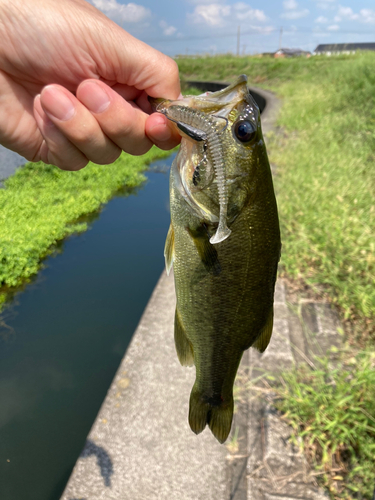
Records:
x=141, y=447
x=9, y=162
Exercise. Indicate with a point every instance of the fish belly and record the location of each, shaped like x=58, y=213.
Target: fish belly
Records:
x=222, y=310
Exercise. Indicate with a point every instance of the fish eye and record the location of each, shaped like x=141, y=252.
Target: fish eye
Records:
x=244, y=130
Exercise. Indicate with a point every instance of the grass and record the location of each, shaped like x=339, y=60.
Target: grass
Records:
x=325, y=161
x=332, y=409
x=324, y=152
x=42, y=204
x=326, y=184
x=324, y=155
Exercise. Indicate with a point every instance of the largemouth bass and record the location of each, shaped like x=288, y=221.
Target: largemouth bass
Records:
x=223, y=242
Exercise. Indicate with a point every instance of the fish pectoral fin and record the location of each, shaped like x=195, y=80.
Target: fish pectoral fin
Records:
x=265, y=335
x=169, y=249
x=206, y=251
x=183, y=346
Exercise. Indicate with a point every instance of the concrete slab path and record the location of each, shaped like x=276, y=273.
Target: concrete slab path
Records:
x=142, y=427
x=141, y=446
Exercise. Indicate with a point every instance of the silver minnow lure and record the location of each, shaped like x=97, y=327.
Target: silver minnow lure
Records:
x=207, y=128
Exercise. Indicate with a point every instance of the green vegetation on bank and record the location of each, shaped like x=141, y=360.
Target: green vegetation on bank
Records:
x=332, y=409
x=42, y=204
x=325, y=163
x=324, y=154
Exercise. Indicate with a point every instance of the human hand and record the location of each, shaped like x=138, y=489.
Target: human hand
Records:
x=74, y=85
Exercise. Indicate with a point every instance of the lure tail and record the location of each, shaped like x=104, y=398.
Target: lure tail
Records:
x=217, y=414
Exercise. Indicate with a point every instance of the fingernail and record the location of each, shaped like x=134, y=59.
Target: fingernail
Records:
x=94, y=97
x=40, y=115
x=57, y=104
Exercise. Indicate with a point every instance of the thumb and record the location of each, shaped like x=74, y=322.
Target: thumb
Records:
x=136, y=64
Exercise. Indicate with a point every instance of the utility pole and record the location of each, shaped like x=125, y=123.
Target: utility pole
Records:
x=244, y=49
x=238, y=40
x=281, y=37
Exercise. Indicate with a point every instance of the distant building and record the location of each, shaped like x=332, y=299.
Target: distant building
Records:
x=342, y=48
x=292, y=53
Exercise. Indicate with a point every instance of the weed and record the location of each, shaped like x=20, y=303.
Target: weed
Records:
x=333, y=410
x=42, y=204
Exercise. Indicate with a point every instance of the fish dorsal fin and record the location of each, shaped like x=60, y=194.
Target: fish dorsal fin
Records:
x=265, y=335
x=169, y=249
x=183, y=346
x=207, y=252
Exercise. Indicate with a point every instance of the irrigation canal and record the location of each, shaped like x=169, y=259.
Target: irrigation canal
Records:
x=66, y=334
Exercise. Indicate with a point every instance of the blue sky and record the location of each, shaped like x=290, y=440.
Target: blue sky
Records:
x=199, y=26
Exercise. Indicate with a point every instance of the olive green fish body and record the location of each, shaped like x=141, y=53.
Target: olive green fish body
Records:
x=224, y=290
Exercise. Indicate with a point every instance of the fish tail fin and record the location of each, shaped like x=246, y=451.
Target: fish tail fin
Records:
x=221, y=421
x=217, y=416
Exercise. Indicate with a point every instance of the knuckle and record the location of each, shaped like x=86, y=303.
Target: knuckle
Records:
x=78, y=165
x=141, y=152
x=172, y=71
x=165, y=147
x=70, y=164
x=86, y=134
x=139, y=149
x=108, y=158
x=124, y=126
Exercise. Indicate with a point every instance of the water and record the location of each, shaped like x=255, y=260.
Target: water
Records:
x=66, y=335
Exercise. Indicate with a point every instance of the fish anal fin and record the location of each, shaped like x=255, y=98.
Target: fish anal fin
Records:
x=183, y=346
x=207, y=252
x=218, y=417
x=169, y=249
x=265, y=335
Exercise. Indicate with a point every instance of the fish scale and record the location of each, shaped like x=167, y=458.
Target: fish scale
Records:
x=224, y=289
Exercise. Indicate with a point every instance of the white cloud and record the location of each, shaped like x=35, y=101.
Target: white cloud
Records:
x=243, y=11
x=212, y=14
x=321, y=20
x=346, y=13
x=167, y=29
x=333, y=27
x=128, y=13
x=265, y=30
x=215, y=14
x=325, y=4
x=367, y=16
x=290, y=4
x=170, y=30
x=295, y=14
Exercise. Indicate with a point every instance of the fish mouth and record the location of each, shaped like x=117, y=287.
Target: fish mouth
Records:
x=219, y=103
x=203, y=119
x=155, y=101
